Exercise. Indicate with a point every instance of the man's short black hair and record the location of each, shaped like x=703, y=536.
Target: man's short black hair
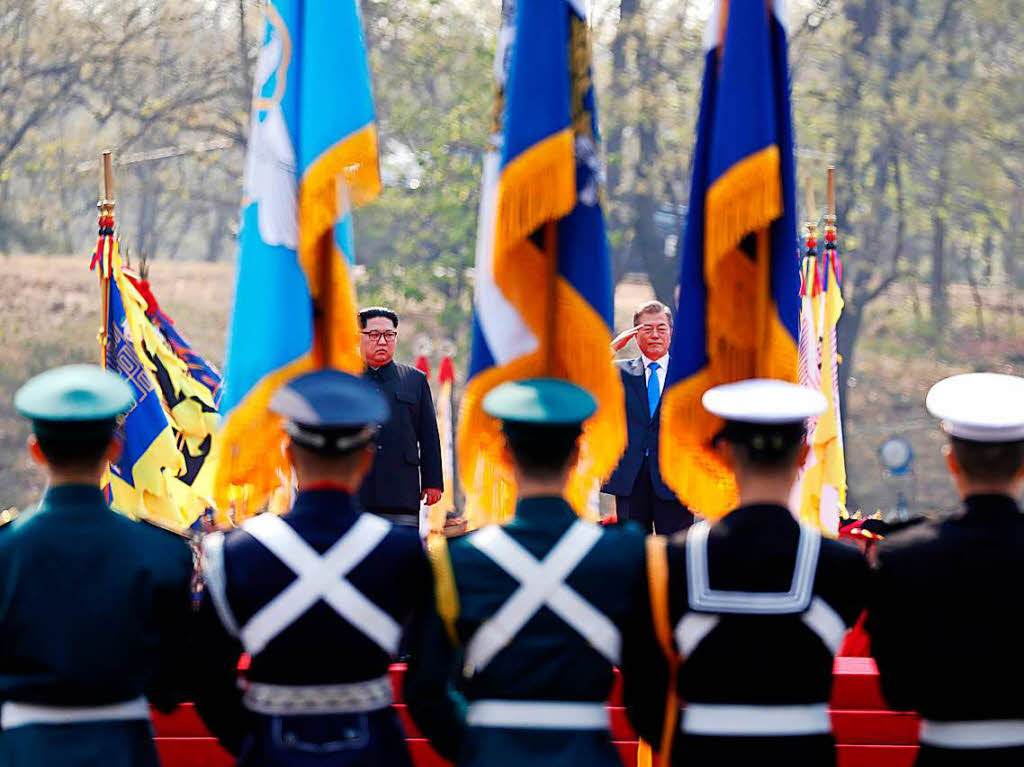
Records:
x=766, y=447
x=74, y=444
x=651, y=307
x=367, y=314
x=989, y=461
x=542, y=452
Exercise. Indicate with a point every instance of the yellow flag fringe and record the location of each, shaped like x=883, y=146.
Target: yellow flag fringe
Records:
x=251, y=467
x=740, y=344
x=521, y=272
x=537, y=186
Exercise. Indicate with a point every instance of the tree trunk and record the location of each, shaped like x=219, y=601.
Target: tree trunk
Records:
x=613, y=143
x=937, y=283
x=243, y=54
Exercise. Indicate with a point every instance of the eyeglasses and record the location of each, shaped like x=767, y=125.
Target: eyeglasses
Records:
x=376, y=335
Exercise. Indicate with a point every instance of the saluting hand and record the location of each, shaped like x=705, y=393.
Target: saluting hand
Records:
x=624, y=338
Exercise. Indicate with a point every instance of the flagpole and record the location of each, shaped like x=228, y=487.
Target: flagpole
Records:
x=811, y=223
x=104, y=246
x=551, y=249
x=323, y=309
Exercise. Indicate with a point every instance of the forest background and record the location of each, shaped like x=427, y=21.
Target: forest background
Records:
x=917, y=103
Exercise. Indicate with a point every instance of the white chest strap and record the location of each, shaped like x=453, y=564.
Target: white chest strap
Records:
x=319, y=577
x=797, y=599
x=541, y=583
x=819, y=618
x=815, y=612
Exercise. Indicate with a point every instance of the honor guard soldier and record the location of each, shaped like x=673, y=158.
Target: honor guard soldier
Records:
x=316, y=597
x=945, y=614
x=94, y=607
x=531, y=616
x=756, y=605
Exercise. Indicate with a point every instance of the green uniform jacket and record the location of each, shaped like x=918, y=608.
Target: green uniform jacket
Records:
x=547, y=660
x=94, y=610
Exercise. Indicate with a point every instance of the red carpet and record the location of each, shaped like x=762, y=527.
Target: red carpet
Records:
x=869, y=735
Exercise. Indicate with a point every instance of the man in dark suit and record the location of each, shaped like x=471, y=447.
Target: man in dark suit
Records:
x=640, y=495
x=407, y=469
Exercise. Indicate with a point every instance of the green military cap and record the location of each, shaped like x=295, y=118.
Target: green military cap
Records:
x=540, y=402
x=77, y=394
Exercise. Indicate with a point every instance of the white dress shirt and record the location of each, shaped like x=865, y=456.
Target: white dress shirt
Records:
x=661, y=371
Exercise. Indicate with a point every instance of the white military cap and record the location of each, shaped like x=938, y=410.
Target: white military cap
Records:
x=764, y=401
x=980, y=407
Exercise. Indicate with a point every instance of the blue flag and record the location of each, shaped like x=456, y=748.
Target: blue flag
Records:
x=312, y=157
x=543, y=296
x=739, y=280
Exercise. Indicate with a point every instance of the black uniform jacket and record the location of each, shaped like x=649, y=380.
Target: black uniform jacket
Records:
x=945, y=614
x=751, y=659
x=547, y=660
x=408, y=447
x=643, y=433
x=319, y=647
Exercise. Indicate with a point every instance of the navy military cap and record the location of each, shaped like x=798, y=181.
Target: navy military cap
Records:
x=329, y=411
x=73, y=397
x=540, y=402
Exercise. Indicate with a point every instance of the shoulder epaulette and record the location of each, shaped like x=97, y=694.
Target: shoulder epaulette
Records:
x=445, y=593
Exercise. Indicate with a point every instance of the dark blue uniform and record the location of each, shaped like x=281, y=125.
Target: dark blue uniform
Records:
x=94, y=610
x=318, y=598
x=532, y=671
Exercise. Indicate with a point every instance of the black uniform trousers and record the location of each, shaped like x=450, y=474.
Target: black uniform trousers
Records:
x=646, y=509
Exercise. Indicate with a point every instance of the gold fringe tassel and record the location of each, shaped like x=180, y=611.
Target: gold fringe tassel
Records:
x=353, y=161
x=745, y=338
x=521, y=272
x=744, y=199
x=537, y=186
x=445, y=591
x=251, y=466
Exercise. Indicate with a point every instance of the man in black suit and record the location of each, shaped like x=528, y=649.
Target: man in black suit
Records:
x=640, y=495
x=407, y=469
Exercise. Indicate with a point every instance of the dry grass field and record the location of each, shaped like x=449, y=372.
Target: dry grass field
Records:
x=51, y=316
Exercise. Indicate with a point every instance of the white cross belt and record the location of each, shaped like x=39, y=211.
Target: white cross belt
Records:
x=541, y=583
x=319, y=577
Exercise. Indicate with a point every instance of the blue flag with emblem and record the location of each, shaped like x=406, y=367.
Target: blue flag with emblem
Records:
x=312, y=157
x=543, y=293
x=739, y=279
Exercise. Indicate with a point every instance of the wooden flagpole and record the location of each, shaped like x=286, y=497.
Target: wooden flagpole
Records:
x=104, y=247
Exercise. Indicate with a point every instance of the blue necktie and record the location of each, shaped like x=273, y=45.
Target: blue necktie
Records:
x=653, y=388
